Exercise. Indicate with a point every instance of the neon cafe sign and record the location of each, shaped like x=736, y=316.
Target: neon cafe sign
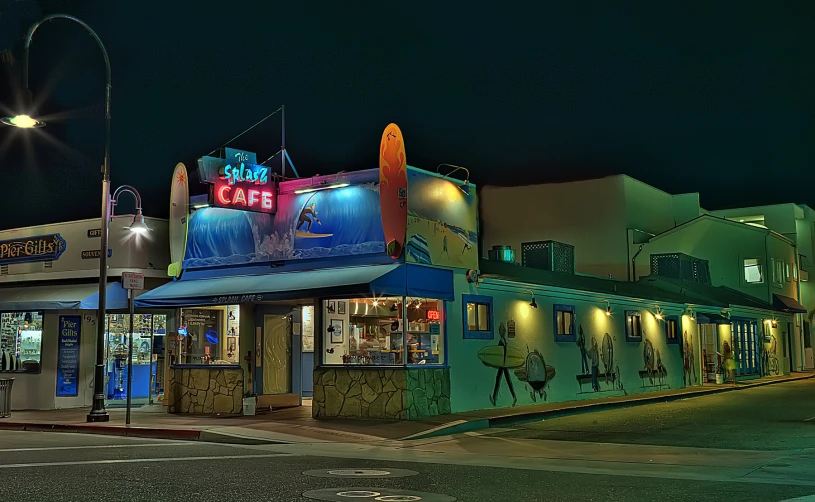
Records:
x=242, y=185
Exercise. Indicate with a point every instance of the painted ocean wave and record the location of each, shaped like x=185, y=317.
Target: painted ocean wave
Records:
x=311, y=253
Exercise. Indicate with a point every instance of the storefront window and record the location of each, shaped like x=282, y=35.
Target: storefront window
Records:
x=307, y=327
x=209, y=336
x=148, y=337
x=21, y=341
x=364, y=331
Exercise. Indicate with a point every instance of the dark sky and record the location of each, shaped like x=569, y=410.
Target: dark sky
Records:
x=714, y=97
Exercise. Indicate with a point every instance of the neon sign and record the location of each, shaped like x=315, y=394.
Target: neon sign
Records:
x=244, y=186
x=433, y=315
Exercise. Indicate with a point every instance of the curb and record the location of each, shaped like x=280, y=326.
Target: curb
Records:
x=462, y=426
x=106, y=430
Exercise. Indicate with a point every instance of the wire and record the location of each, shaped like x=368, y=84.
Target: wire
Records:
x=246, y=131
x=270, y=158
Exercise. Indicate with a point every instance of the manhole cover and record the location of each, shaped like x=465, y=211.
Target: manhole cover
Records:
x=361, y=473
x=376, y=494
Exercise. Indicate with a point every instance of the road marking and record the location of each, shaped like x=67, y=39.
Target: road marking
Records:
x=810, y=419
x=89, y=447
x=141, y=460
x=808, y=498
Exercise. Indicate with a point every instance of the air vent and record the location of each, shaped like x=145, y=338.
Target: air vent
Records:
x=680, y=266
x=548, y=255
x=3, y=269
x=504, y=254
x=48, y=264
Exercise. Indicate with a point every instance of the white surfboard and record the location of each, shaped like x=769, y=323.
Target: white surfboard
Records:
x=179, y=217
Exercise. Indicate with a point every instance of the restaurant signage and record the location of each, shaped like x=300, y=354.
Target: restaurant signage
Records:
x=237, y=182
x=30, y=249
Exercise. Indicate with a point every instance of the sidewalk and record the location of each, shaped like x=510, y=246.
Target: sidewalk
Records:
x=295, y=425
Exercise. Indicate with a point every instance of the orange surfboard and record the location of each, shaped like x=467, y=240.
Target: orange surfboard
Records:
x=393, y=189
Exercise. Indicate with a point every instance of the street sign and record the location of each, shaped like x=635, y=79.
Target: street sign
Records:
x=132, y=280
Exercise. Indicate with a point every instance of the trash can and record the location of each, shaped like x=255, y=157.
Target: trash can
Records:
x=5, y=397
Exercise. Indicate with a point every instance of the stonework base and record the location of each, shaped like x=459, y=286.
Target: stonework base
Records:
x=394, y=393
x=205, y=391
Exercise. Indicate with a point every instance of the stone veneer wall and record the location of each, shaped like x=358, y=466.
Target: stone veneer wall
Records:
x=211, y=390
x=381, y=393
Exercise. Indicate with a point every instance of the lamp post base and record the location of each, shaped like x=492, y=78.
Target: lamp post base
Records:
x=98, y=416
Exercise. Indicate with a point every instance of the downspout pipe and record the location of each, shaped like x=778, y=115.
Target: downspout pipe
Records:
x=634, y=264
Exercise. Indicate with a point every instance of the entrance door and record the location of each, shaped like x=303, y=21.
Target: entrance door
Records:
x=744, y=339
x=276, y=354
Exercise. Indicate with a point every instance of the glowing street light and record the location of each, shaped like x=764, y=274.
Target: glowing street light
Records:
x=26, y=120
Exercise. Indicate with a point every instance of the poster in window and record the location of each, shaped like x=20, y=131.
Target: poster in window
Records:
x=68, y=356
x=336, y=330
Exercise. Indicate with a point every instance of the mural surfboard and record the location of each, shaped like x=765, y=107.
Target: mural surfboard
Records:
x=493, y=356
x=307, y=235
x=393, y=188
x=179, y=217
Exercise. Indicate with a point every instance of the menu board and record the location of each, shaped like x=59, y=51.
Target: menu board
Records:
x=68, y=356
x=308, y=328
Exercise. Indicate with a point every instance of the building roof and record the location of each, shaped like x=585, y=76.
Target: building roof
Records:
x=638, y=290
x=706, y=293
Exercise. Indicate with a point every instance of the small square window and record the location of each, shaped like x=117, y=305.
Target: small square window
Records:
x=633, y=326
x=564, y=323
x=672, y=329
x=478, y=317
x=787, y=275
x=753, y=273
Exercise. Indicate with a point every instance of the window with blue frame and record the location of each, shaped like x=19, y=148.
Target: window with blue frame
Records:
x=633, y=326
x=477, y=317
x=564, y=323
x=672, y=329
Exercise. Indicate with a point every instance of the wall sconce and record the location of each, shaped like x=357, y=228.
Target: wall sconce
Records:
x=608, y=308
x=690, y=313
x=532, y=303
x=375, y=303
x=658, y=315
x=774, y=323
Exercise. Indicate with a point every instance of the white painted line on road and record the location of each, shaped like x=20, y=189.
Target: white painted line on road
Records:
x=142, y=460
x=100, y=446
x=808, y=498
x=810, y=419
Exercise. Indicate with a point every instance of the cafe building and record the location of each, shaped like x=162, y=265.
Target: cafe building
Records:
x=49, y=284
x=366, y=293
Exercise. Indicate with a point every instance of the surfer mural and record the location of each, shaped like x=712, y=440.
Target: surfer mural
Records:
x=341, y=221
x=442, y=222
x=654, y=373
x=591, y=358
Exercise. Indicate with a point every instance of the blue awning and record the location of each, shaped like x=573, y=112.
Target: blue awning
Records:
x=374, y=280
x=74, y=296
x=709, y=318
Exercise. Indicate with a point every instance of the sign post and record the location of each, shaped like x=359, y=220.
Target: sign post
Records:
x=131, y=281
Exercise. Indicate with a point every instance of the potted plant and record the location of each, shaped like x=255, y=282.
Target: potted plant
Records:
x=720, y=375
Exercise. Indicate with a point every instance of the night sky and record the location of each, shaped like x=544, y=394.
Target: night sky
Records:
x=714, y=97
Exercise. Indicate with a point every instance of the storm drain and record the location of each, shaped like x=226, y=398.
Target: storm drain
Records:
x=361, y=473
x=376, y=494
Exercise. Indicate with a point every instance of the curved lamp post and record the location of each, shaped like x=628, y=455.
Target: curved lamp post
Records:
x=26, y=121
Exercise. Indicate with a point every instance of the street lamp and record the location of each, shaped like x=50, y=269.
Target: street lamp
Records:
x=26, y=121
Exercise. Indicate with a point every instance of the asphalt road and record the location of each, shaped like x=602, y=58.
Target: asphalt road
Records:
x=773, y=417
x=73, y=467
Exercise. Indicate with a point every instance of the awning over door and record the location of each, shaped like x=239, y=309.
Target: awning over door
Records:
x=706, y=318
x=788, y=304
x=73, y=296
x=376, y=280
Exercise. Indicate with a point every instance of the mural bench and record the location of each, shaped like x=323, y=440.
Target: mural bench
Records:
x=585, y=379
x=655, y=377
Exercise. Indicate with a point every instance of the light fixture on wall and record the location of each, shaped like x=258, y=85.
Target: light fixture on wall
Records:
x=690, y=313
x=774, y=322
x=608, y=308
x=464, y=186
x=375, y=303
x=394, y=307
x=658, y=315
x=533, y=303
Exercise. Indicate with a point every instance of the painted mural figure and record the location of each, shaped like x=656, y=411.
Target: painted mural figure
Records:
x=308, y=216
x=444, y=247
x=594, y=355
x=503, y=371
x=581, y=344
x=690, y=372
x=536, y=373
x=649, y=360
x=607, y=356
